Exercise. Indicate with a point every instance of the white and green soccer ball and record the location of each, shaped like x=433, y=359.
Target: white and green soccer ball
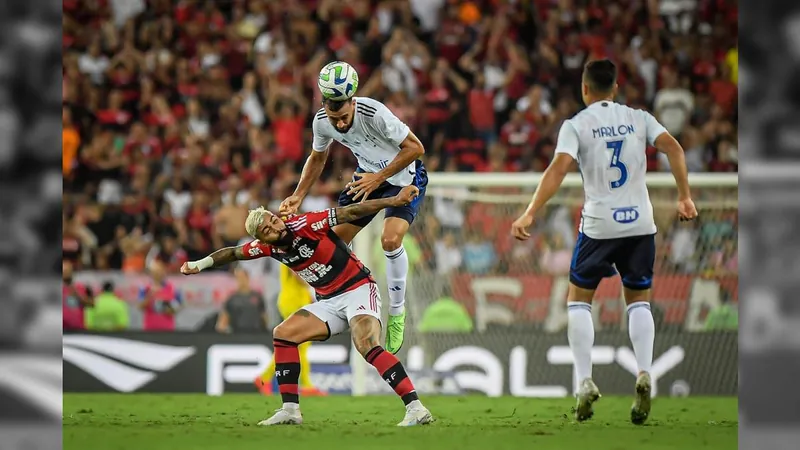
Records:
x=338, y=81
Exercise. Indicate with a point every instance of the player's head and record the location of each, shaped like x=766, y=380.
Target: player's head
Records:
x=340, y=113
x=265, y=226
x=599, y=80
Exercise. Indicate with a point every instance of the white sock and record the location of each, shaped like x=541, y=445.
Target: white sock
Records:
x=580, y=333
x=642, y=331
x=396, y=273
x=288, y=406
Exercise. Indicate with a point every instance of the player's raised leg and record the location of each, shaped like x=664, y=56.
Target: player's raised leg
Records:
x=394, y=230
x=395, y=226
x=635, y=261
x=300, y=327
x=365, y=326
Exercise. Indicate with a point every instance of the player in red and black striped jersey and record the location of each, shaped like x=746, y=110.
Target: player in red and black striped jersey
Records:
x=347, y=296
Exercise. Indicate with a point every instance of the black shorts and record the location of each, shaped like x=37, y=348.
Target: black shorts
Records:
x=407, y=213
x=594, y=259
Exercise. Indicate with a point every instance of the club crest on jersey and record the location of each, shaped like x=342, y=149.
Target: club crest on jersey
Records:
x=305, y=251
x=628, y=214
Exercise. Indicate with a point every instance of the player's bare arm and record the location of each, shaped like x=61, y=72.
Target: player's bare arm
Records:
x=670, y=146
x=219, y=258
x=551, y=181
x=411, y=149
x=312, y=170
x=358, y=210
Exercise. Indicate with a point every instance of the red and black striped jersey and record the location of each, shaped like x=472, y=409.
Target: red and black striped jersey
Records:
x=316, y=254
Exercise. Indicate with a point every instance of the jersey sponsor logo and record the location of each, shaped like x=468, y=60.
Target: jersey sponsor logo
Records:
x=118, y=363
x=381, y=164
x=628, y=214
x=254, y=251
x=314, y=272
x=316, y=226
x=610, y=132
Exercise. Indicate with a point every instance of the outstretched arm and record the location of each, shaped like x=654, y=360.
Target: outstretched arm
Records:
x=565, y=160
x=670, y=146
x=551, y=181
x=311, y=172
x=219, y=258
x=411, y=149
x=358, y=210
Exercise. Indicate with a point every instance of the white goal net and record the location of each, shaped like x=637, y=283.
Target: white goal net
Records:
x=492, y=310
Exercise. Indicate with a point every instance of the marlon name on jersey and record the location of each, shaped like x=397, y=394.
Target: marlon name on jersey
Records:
x=607, y=132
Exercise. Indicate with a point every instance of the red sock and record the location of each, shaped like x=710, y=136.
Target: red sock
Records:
x=287, y=370
x=391, y=369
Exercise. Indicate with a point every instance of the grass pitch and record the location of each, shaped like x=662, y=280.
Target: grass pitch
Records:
x=198, y=422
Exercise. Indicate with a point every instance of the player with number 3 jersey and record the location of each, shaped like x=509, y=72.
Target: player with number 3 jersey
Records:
x=607, y=141
x=347, y=296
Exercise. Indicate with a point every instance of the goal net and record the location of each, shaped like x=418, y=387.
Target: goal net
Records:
x=490, y=312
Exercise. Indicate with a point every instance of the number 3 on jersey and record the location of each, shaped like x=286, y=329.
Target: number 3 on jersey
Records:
x=616, y=148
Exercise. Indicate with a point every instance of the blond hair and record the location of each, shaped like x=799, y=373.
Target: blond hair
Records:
x=254, y=219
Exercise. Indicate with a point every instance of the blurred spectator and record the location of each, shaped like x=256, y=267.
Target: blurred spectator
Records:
x=673, y=104
x=109, y=312
x=555, y=256
x=75, y=299
x=159, y=300
x=244, y=311
x=179, y=115
x=479, y=254
x=448, y=254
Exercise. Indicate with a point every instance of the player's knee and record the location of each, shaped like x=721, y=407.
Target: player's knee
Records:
x=391, y=242
x=285, y=332
x=365, y=331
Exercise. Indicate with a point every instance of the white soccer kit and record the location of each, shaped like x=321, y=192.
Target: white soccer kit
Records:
x=374, y=138
x=609, y=140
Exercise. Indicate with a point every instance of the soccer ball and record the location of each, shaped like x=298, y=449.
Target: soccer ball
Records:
x=338, y=81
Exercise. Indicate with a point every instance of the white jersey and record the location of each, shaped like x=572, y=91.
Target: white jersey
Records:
x=609, y=140
x=374, y=138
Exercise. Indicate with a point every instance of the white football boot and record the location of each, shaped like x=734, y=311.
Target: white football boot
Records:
x=641, y=406
x=284, y=416
x=416, y=414
x=587, y=395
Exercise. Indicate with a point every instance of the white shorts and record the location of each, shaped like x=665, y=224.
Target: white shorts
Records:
x=337, y=311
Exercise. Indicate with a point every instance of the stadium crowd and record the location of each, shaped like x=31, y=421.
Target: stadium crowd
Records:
x=179, y=115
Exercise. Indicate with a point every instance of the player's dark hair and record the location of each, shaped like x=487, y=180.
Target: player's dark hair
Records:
x=108, y=286
x=336, y=105
x=600, y=75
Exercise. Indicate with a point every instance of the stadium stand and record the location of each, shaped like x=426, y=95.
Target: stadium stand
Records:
x=178, y=112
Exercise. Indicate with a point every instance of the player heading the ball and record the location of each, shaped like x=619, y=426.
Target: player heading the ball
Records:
x=388, y=160
x=607, y=141
x=347, y=295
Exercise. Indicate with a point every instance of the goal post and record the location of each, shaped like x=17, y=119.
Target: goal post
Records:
x=514, y=292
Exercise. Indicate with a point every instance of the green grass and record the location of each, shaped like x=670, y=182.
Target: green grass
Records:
x=198, y=422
